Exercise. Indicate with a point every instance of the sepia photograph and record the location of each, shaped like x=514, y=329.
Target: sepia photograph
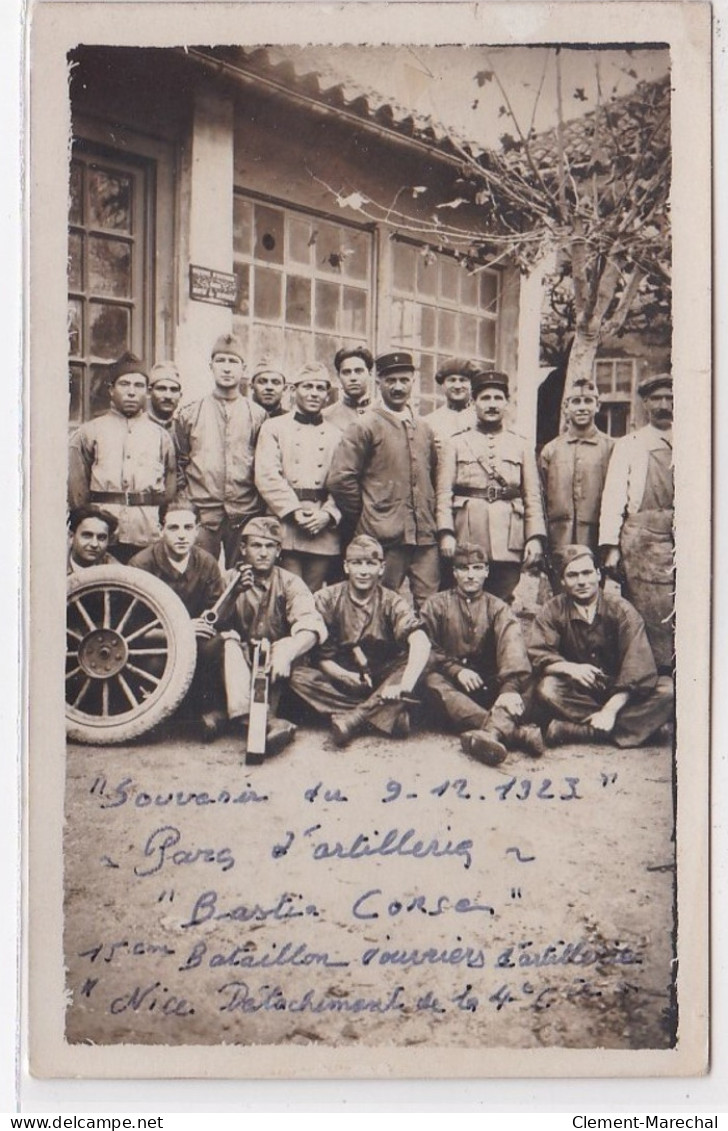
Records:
x=378, y=743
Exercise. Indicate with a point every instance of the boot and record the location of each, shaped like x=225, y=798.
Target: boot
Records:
x=485, y=746
x=527, y=738
x=278, y=735
x=561, y=733
x=346, y=725
x=211, y=724
x=401, y=728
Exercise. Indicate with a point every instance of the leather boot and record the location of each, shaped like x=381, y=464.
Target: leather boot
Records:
x=562, y=733
x=527, y=738
x=401, y=728
x=346, y=725
x=211, y=725
x=485, y=746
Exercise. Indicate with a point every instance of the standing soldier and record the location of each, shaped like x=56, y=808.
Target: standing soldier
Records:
x=267, y=387
x=165, y=390
x=457, y=413
x=489, y=491
x=215, y=439
x=636, y=528
x=382, y=477
x=573, y=470
x=292, y=461
x=354, y=366
x=123, y=461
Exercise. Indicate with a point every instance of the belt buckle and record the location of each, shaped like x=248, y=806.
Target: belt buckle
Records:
x=126, y=498
x=492, y=492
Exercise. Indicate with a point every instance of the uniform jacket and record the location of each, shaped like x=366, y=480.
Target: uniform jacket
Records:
x=215, y=440
x=279, y=606
x=295, y=455
x=114, y=452
x=74, y=567
x=626, y=479
x=198, y=587
x=342, y=414
x=380, y=625
x=573, y=471
x=382, y=477
x=480, y=633
x=445, y=422
x=477, y=459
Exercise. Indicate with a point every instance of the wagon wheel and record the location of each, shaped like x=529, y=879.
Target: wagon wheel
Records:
x=130, y=653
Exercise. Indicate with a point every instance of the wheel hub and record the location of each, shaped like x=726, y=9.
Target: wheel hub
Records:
x=103, y=653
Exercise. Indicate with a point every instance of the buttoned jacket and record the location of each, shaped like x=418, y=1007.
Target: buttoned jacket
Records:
x=574, y=470
x=341, y=414
x=626, y=479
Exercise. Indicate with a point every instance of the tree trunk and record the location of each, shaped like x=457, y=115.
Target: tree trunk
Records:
x=582, y=356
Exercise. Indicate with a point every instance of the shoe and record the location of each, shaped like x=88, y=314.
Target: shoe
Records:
x=401, y=728
x=347, y=725
x=211, y=724
x=560, y=733
x=529, y=739
x=279, y=734
x=485, y=746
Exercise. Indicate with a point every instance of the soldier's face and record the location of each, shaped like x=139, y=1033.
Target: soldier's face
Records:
x=260, y=553
x=268, y=390
x=354, y=377
x=165, y=396
x=490, y=406
x=363, y=572
x=227, y=370
x=456, y=389
x=470, y=578
x=179, y=533
x=581, y=410
x=581, y=580
x=659, y=407
x=89, y=541
x=129, y=393
x=311, y=396
x=396, y=389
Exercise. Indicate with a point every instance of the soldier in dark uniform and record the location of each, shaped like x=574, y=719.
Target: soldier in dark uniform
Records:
x=354, y=366
x=165, y=391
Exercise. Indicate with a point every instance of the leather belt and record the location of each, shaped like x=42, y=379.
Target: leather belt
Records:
x=147, y=498
x=312, y=494
x=492, y=493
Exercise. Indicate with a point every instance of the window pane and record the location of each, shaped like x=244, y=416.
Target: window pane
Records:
x=75, y=261
x=327, y=305
x=427, y=273
x=623, y=379
x=109, y=330
x=468, y=288
x=449, y=279
x=428, y=326
x=99, y=389
x=242, y=330
x=268, y=234
x=446, y=330
x=242, y=295
x=486, y=339
x=267, y=293
x=75, y=203
x=489, y=291
x=603, y=373
x=427, y=374
x=75, y=327
x=299, y=240
x=468, y=334
x=405, y=267
x=267, y=341
x=325, y=348
x=356, y=260
x=109, y=197
x=242, y=226
x=298, y=300
x=75, y=394
x=329, y=248
x=109, y=266
x=354, y=312
x=298, y=350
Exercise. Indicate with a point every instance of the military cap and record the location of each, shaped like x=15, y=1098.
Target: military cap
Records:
x=364, y=544
x=313, y=371
x=394, y=363
x=127, y=363
x=461, y=366
x=228, y=343
x=264, y=528
x=568, y=554
x=489, y=379
x=468, y=553
x=353, y=351
x=268, y=365
x=659, y=381
x=164, y=371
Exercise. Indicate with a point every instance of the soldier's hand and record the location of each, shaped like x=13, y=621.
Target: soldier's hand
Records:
x=469, y=680
x=281, y=657
x=447, y=546
x=392, y=691
x=246, y=575
x=612, y=559
x=202, y=629
x=511, y=702
x=603, y=721
x=316, y=521
x=351, y=680
x=533, y=555
x=587, y=675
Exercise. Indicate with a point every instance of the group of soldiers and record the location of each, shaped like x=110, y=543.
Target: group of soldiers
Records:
x=311, y=518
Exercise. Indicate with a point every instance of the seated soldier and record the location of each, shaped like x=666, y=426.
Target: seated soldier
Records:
x=593, y=659
x=274, y=605
x=479, y=669
x=90, y=530
x=374, y=655
x=195, y=577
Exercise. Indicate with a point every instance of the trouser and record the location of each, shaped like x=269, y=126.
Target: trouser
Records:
x=124, y=552
x=207, y=690
x=313, y=569
x=503, y=577
x=421, y=564
x=238, y=678
x=328, y=698
x=635, y=723
x=463, y=711
x=219, y=530
x=647, y=549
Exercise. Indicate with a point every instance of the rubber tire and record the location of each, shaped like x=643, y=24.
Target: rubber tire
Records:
x=178, y=672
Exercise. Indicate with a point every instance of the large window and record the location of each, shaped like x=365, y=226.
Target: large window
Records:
x=616, y=379
x=107, y=295
x=303, y=284
x=440, y=310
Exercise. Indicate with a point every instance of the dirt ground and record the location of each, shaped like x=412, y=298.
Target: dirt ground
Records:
x=207, y=902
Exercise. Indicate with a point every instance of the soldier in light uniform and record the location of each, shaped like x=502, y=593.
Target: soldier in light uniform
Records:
x=457, y=413
x=488, y=491
x=354, y=366
x=165, y=390
x=267, y=386
x=292, y=461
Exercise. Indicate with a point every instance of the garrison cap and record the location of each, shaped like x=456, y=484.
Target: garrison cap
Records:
x=397, y=362
x=648, y=386
x=127, y=363
x=364, y=544
x=268, y=365
x=461, y=366
x=264, y=528
x=164, y=371
x=313, y=371
x=353, y=351
x=468, y=553
x=568, y=554
x=489, y=379
x=228, y=343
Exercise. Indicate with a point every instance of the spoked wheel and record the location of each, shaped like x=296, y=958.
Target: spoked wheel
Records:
x=130, y=653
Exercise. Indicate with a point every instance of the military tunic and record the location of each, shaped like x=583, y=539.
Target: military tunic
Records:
x=344, y=412
x=574, y=469
x=446, y=422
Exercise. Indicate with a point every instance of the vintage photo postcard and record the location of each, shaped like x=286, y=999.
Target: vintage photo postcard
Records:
x=369, y=441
